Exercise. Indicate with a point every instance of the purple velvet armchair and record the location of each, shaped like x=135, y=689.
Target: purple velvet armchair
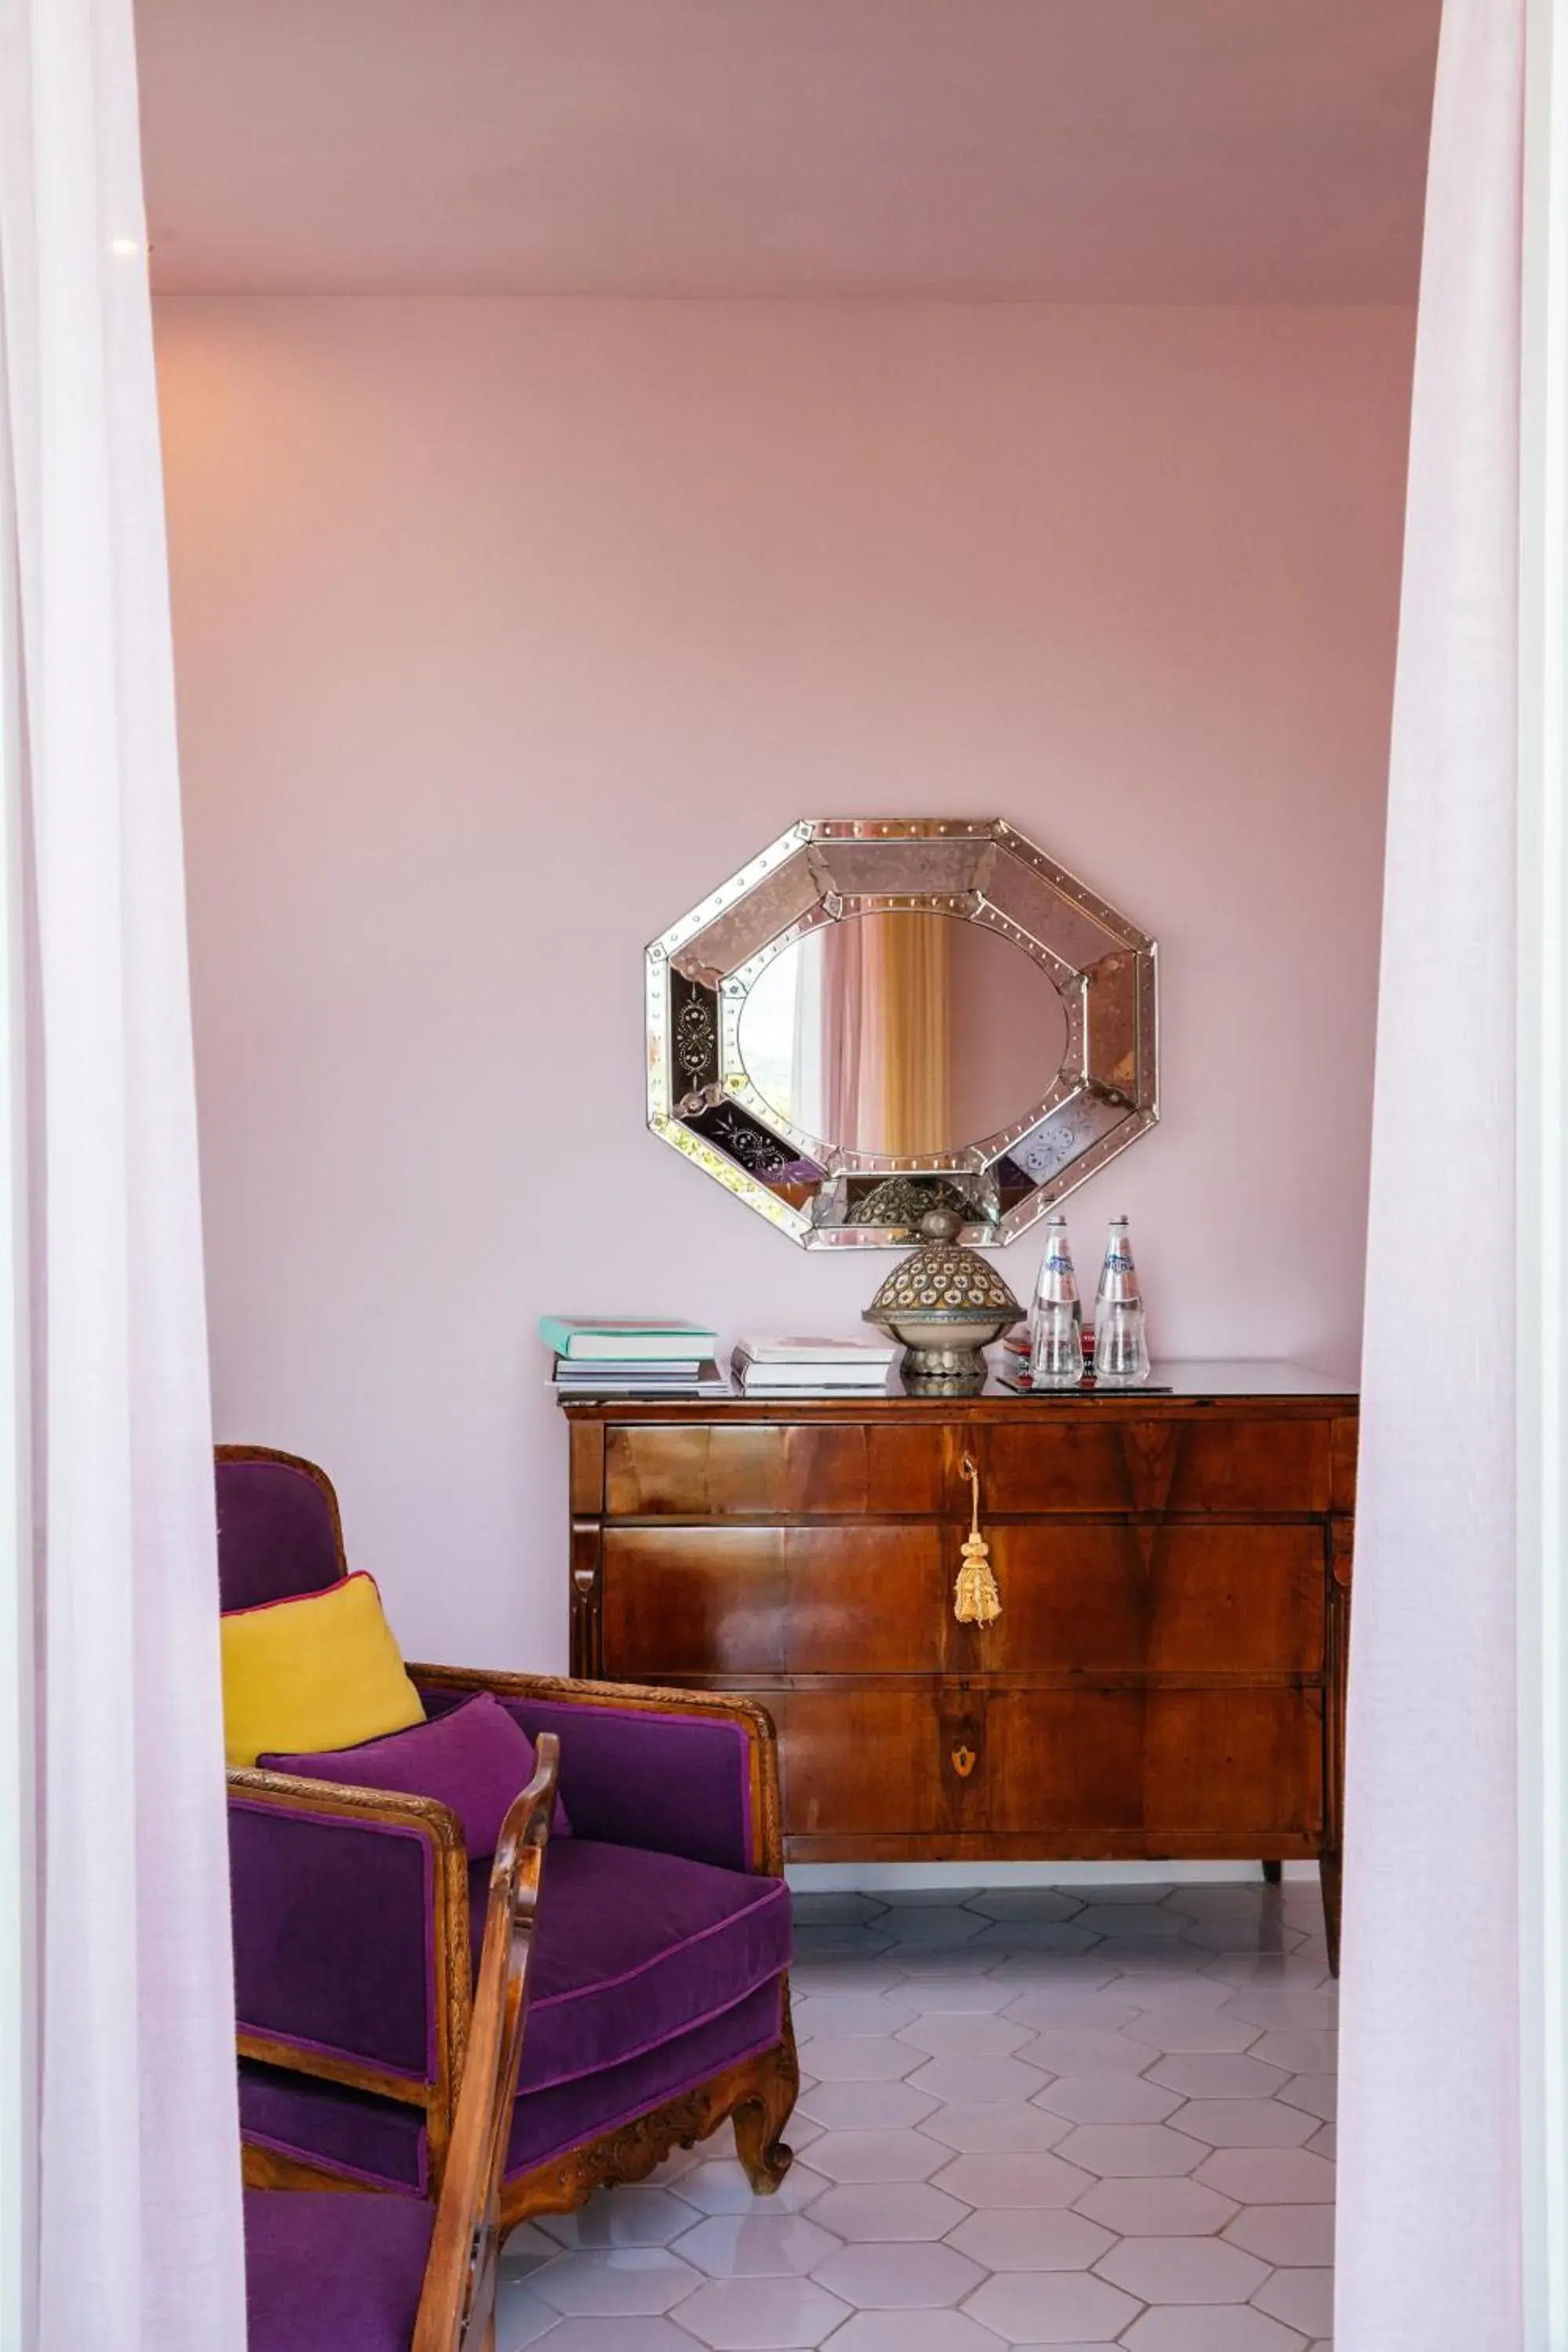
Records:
x=660, y=2000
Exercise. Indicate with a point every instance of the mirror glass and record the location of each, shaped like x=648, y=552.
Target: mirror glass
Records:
x=902, y=1033
x=876, y=1017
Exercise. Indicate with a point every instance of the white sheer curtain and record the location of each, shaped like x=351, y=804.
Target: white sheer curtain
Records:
x=139, y=2247
x=1429, y=2212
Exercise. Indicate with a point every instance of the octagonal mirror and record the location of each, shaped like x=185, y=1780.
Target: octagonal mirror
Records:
x=878, y=1017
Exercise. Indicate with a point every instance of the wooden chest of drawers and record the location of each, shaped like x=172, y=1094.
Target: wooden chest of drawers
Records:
x=1167, y=1679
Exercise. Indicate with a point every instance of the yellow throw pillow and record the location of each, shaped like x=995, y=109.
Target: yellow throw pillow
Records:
x=316, y=1673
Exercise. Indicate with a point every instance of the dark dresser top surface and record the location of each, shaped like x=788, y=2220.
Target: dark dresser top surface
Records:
x=1172, y=1384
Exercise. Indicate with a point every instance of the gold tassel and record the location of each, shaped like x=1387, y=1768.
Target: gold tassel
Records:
x=976, y=1600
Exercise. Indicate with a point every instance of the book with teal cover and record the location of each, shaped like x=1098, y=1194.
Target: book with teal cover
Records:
x=608, y=1339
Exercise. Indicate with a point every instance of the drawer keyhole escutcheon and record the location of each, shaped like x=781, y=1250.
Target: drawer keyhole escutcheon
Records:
x=975, y=1599
x=964, y=1763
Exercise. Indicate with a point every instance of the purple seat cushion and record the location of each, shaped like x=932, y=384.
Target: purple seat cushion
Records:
x=275, y=1534
x=328, y=2273
x=633, y=1949
x=380, y=2140
x=476, y=1758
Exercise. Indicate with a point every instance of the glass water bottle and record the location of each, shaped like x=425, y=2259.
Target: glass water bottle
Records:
x=1056, y=1321
x=1120, y=1338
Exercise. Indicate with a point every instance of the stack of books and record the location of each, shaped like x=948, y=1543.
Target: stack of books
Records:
x=602, y=1356
x=813, y=1367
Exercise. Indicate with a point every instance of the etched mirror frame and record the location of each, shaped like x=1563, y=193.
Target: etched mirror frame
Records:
x=701, y=1100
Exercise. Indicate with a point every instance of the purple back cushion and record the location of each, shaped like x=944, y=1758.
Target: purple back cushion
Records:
x=475, y=1759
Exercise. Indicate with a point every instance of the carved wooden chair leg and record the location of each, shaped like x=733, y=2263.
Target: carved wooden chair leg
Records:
x=760, y=2119
x=1273, y=1872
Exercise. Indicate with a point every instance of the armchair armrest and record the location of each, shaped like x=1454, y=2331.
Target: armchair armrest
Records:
x=350, y=1936
x=684, y=1772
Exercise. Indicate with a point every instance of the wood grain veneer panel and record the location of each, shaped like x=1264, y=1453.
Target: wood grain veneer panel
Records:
x=1184, y=1599
x=761, y=1470
x=692, y=1600
x=861, y=1759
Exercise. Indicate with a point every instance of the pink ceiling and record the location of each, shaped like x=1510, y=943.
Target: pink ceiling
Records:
x=1062, y=150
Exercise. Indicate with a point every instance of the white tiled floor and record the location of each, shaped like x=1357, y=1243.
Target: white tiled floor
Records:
x=1027, y=2116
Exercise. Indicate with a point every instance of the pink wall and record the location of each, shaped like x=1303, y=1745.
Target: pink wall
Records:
x=505, y=629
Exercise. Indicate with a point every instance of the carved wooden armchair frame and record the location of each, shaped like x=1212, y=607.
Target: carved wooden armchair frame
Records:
x=758, y=2091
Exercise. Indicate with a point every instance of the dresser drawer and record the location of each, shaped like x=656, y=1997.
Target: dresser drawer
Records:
x=1098, y=1596
x=1238, y=1770
x=757, y=1600
x=1197, y=1463
x=869, y=1760
x=698, y=1471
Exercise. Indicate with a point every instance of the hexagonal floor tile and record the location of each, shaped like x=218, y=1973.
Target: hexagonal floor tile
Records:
x=1060, y=2049
x=1244, y=2123
x=836, y=1936
x=1183, y=2270
x=1145, y=1920
x=1210, y=2327
x=1046, y=2009
x=630, y=2217
x=1021, y=2130
x=1027, y=1903
x=762, y=2314
x=1157, y=2208
x=876, y=2156
x=1196, y=2031
x=521, y=2317
x=1296, y=2236
x=1318, y=2093
x=986, y=2181
x=1107, y=2099
x=644, y=2280
x=943, y=1897
x=937, y=1927
x=972, y=1994
x=868, y=2106
x=897, y=2210
x=1065, y=1971
x=830, y=2016
x=1139, y=1894
x=756, y=2245
x=913, y=2331
x=1301, y=2050
x=1303, y=2299
x=1220, y=2075
x=1270, y=2176
x=1038, y=1936
x=614, y=2336
x=1164, y=1988
x=1241, y=1968
x=978, y=2082
x=1262, y=1935
x=1051, y=2307
x=1153, y=1956
x=859, y=2058
x=1032, y=2238
x=919, y=2276
x=963, y=2033
x=813, y=1909
x=1130, y=2151
x=720, y=2186
x=1285, y=2005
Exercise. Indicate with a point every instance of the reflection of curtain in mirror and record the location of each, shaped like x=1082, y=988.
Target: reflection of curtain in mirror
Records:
x=886, y=1033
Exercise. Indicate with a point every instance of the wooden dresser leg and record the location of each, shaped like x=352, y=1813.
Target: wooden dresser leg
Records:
x=1329, y=1872
x=1273, y=1872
